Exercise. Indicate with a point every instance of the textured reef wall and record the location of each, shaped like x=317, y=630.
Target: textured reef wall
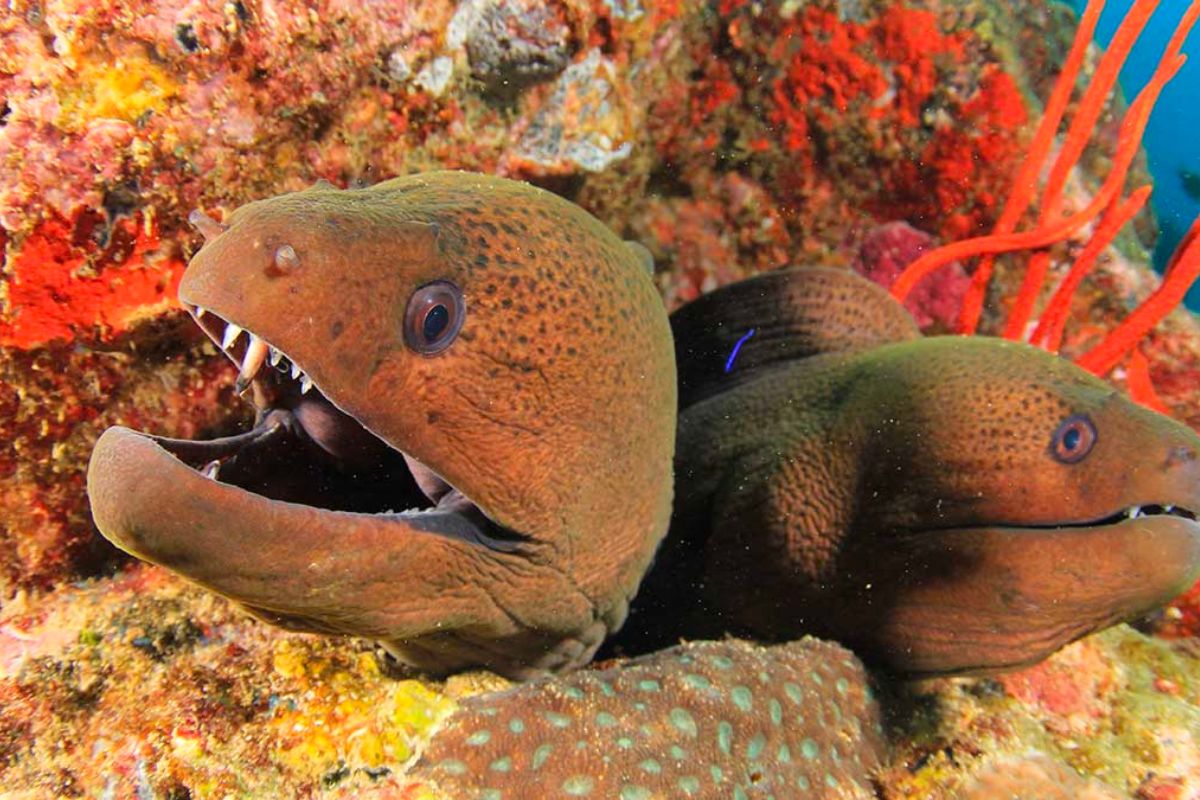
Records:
x=728, y=136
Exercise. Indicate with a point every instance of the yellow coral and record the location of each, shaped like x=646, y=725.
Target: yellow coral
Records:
x=124, y=88
x=289, y=659
x=417, y=707
x=347, y=713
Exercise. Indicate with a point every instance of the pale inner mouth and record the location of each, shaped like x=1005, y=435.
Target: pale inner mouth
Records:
x=302, y=448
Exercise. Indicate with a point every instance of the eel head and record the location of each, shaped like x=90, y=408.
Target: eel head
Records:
x=470, y=345
x=1021, y=503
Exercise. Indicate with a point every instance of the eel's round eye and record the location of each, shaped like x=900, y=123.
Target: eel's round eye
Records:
x=434, y=317
x=1074, y=439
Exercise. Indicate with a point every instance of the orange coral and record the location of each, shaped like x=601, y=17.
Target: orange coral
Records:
x=61, y=283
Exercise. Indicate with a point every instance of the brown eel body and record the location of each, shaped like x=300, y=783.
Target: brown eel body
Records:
x=940, y=505
x=472, y=346
x=493, y=356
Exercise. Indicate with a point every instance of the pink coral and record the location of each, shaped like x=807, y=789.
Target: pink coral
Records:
x=1069, y=692
x=889, y=248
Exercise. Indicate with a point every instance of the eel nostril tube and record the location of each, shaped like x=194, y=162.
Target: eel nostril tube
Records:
x=286, y=259
x=209, y=228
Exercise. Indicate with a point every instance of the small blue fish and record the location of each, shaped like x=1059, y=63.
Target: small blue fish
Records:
x=736, y=348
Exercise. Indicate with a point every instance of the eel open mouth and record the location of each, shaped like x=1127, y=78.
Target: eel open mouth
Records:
x=304, y=450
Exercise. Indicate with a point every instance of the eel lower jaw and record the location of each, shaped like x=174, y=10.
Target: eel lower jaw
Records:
x=385, y=576
x=989, y=599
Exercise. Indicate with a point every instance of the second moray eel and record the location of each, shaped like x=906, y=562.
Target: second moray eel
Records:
x=940, y=505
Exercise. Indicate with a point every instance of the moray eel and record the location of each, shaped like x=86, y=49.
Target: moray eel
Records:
x=703, y=719
x=471, y=345
x=941, y=505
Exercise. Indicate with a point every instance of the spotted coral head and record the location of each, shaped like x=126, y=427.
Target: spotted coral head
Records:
x=469, y=345
x=1023, y=503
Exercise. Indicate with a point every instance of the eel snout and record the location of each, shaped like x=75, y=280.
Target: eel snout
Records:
x=996, y=597
x=283, y=558
x=987, y=600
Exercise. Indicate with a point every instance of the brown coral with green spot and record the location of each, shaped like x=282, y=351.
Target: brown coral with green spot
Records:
x=703, y=719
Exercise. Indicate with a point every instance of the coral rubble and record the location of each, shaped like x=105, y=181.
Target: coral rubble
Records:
x=1119, y=711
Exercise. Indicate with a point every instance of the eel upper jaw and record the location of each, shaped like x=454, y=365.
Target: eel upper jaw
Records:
x=286, y=395
x=1131, y=512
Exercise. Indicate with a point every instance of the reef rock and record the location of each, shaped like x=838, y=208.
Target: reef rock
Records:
x=728, y=137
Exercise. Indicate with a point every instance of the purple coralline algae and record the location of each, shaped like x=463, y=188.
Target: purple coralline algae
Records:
x=885, y=252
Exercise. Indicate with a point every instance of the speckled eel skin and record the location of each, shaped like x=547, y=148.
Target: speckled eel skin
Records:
x=941, y=505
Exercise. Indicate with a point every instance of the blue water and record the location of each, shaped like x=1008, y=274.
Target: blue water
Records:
x=1172, y=138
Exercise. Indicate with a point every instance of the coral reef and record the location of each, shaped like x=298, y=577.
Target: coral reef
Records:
x=1119, y=710
x=145, y=685
x=732, y=136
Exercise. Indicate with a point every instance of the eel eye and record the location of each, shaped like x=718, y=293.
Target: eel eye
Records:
x=434, y=317
x=1074, y=439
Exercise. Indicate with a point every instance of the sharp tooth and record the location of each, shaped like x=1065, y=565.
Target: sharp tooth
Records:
x=305, y=384
x=1135, y=512
x=296, y=373
x=200, y=312
x=274, y=356
x=211, y=469
x=232, y=332
x=1168, y=509
x=256, y=354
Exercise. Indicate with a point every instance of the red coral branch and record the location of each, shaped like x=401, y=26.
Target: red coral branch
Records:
x=1121, y=339
x=1050, y=227
x=1128, y=141
x=1025, y=182
x=1129, y=138
x=1049, y=330
x=1082, y=125
x=1137, y=381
